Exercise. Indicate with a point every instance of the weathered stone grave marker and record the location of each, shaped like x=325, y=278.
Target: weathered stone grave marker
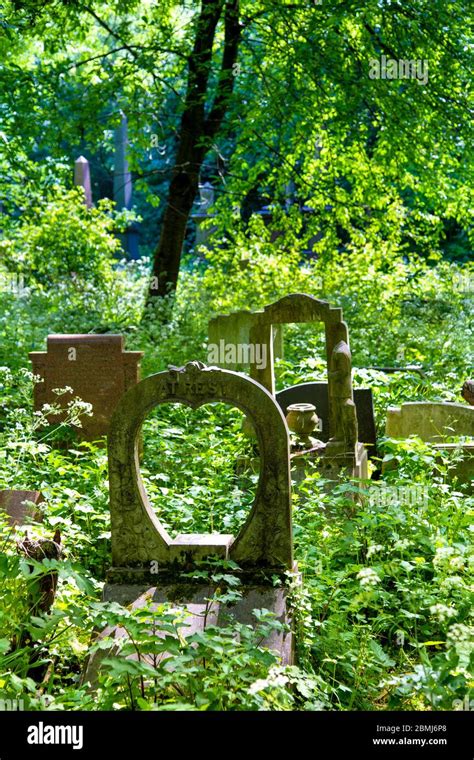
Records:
x=147, y=562
x=82, y=178
x=342, y=450
x=317, y=394
x=229, y=343
x=97, y=369
x=123, y=186
x=430, y=420
x=203, y=231
x=435, y=422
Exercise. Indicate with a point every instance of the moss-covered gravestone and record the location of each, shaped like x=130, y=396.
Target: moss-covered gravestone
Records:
x=146, y=561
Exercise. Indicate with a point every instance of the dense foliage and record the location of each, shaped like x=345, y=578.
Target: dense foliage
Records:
x=383, y=615
x=377, y=174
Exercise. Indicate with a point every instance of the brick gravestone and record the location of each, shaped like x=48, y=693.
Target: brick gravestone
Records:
x=97, y=369
x=435, y=422
x=342, y=451
x=147, y=562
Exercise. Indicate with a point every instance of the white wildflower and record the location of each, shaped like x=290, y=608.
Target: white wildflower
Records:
x=368, y=577
x=403, y=543
x=374, y=549
x=442, y=612
x=452, y=581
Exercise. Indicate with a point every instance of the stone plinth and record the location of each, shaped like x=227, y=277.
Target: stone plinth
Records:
x=97, y=369
x=200, y=614
x=199, y=546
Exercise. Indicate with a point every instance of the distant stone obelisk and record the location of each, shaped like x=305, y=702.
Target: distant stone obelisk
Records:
x=123, y=186
x=206, y=200
x=82, y=178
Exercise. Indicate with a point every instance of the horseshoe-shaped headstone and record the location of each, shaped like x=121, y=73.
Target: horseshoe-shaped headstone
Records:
x=138, y=538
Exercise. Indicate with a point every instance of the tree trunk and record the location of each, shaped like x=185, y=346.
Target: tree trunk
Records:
x=196, y=134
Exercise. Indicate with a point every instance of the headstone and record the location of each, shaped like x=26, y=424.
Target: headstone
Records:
x=21, y=506
x=97, y=369
x=123, y=186
x=146, y=561
x=431, y=421
x=343, y=451
x=317, y=394
x=206, y=200
x=436, y=423
x=229, y=343
x=82, y=178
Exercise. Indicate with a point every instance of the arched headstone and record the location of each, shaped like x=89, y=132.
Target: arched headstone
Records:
x=147, y=564
x=138, y=538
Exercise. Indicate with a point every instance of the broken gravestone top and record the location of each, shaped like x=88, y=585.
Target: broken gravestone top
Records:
x=138, y=539
x=97, y=369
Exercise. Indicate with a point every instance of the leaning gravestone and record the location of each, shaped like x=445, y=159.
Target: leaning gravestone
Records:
x=147, y=562
x=97, y=369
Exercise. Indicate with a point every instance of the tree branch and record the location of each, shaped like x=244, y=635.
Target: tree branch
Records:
x=232, y=34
